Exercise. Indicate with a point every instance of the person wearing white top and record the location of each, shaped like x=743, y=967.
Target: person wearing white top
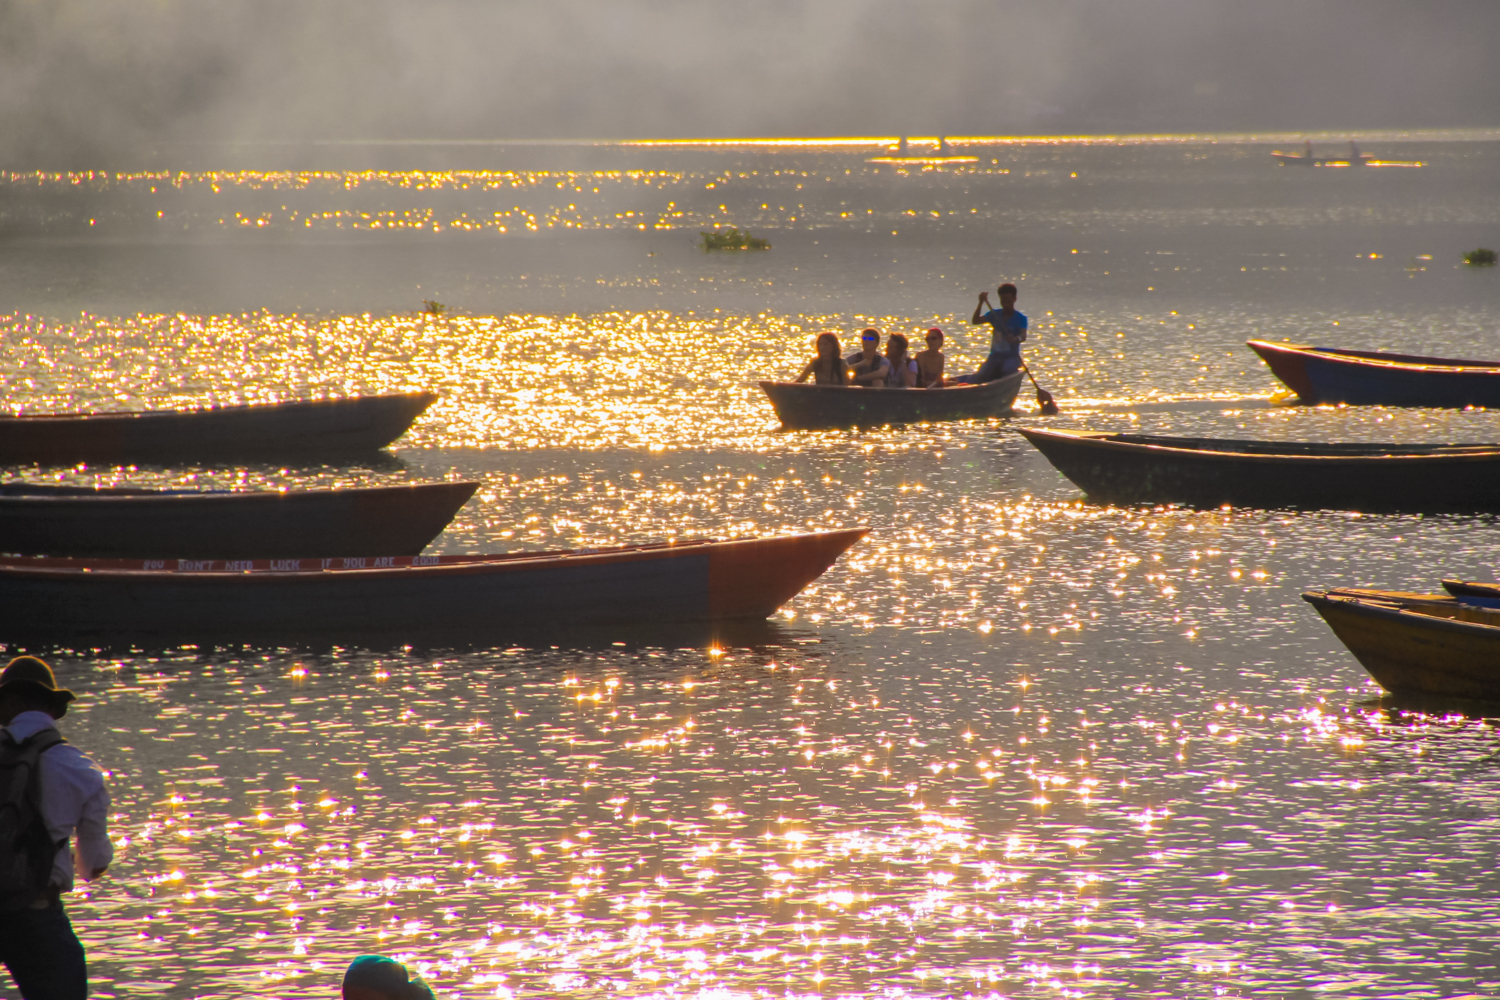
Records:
x=51, y=796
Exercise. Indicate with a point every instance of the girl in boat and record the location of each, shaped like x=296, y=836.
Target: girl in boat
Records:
x=930, y=362
x=828, y=368
x=903, y=373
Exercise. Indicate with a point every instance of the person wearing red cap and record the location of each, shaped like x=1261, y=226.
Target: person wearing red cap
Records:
x=50, y=793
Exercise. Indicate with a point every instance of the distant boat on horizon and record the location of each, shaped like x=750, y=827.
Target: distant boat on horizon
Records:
x=1354, y=159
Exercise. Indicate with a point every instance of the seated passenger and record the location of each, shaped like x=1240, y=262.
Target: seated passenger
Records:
x=375, y=977
x=827, y=368
x=867, y=367
x=903, y=373
x=930, y=362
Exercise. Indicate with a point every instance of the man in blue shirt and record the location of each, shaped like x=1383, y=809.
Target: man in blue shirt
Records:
x=1005, y=343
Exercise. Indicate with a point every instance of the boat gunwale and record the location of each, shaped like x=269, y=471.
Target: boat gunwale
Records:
x=1382, y=359
x=218, y=408
x=143, y=495
x=45, y=567
x=1109, y=441
x=1392, y=610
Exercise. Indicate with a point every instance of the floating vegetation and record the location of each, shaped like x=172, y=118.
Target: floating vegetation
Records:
x=733, y=239
x=1480, y=258
x=432, y=307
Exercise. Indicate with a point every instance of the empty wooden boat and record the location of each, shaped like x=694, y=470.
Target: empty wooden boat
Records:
x=174, y=601
x=1416, y=643
x=1210, y=472
x=804, y=406
x=262, y=430
x=1378, y=378
x=261, y=524
x=1486, y=595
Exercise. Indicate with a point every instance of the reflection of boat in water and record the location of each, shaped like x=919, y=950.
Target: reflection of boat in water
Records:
x=904, y=155
x=1354, y=159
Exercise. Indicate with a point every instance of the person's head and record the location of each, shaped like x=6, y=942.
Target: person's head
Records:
x=935, y=339
x=1007, y=295
x=375, y=977
x=828, y=347
x=895, y=347
x=27, y=684
x=869, y=341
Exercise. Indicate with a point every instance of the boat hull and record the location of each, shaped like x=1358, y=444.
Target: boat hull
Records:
x=393, y=598
x=1412, y=653
x=267, y=524
x=804, y=406
x=1321, y=375
x=1130, y=469
x=265, y=430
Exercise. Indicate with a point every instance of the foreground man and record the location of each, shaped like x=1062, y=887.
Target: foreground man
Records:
x=49, y=793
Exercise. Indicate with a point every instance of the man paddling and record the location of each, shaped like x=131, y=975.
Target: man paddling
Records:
x=1009, y=330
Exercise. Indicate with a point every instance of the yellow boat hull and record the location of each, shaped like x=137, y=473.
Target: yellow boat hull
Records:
x=1413, y=644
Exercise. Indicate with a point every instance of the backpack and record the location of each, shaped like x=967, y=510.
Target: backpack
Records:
x=27, y=851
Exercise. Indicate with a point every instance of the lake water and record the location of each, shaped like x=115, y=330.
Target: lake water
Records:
x=1012, y=745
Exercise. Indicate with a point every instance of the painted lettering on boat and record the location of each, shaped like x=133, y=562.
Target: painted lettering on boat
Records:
x=385, y=562
x=424, y=560
x=239, y=566
x=195, y=565
x=354, y=564
x=286, y=564
x=154, y=564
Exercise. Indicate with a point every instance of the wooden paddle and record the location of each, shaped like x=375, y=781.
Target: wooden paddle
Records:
x=1044, y=400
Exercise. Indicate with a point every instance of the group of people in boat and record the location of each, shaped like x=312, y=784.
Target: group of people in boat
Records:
x=898, y=368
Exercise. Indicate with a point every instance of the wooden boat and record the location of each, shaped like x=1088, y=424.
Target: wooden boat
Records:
x=804, y=406
x=1484, y=595
x=175, y=601
x=1378, y=378
x=1416, y=643
x=262, y=430
x=261, y=524
x=1208, y=472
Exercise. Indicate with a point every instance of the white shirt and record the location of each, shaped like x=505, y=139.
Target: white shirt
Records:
x=75, y=803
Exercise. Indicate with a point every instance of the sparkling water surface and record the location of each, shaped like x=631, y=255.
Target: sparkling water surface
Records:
x=1012, y=745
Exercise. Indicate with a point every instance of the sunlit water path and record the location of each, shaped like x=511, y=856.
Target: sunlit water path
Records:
x=1012, y=745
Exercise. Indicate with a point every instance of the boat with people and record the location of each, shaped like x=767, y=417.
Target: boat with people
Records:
x=295, y=428
x=806, y=406
x=1212, y=472
x=124, y=522
x=1322, y=375
x=1418, y=644
x=401, y=598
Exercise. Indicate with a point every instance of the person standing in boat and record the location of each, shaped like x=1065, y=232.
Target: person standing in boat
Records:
x=866, y=366
x=1009, y=330
x=827, y=368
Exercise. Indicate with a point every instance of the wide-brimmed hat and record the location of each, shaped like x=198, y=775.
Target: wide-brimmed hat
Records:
x=32, y=674
x=376, y=975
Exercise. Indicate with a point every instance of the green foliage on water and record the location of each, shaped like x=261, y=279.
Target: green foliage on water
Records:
x=1480, y=258
x=432, y=307
x=733, y=239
